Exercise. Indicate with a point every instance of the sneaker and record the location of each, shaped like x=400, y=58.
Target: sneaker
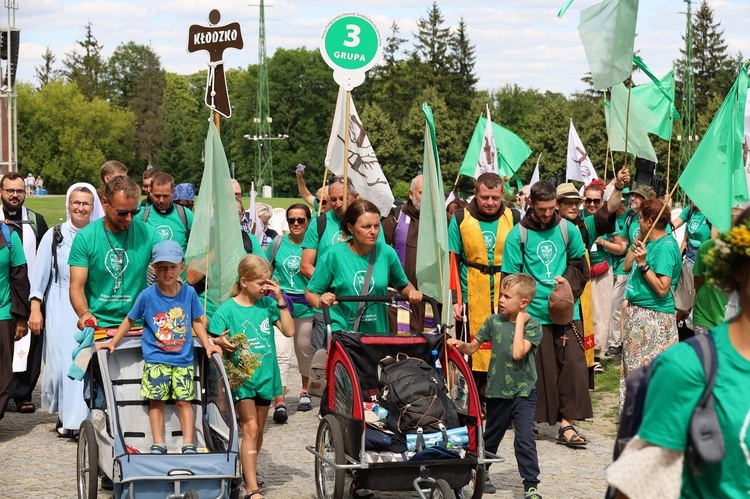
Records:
x=305, y=402
x=613, y=352
x=532, y=493
x=598, y=369
x=107, y=483
x=489, y=488
x=279, y=414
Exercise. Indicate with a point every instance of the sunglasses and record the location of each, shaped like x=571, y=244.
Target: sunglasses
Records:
x=300, y=221
x=125, y=213
x=595, y=202
x=324, y=202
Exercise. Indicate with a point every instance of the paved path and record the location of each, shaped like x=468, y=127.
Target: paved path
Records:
x=35, y=463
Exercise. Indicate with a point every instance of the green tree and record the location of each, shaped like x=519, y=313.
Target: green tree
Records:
x=87, y=70
x=46, y=72
x=66, y=137
x=125, y=66
x=713, y=69
x=432, y=39
x=146, y=104
x=462, y=60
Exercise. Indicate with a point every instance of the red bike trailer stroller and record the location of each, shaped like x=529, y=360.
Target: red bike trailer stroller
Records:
x=352, y=380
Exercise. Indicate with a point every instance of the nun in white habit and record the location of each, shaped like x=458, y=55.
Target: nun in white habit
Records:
x=51, y=309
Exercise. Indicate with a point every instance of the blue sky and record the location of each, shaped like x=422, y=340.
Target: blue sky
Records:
x=517, y=41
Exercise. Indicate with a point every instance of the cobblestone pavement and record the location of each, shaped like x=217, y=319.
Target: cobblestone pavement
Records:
x=35, y=463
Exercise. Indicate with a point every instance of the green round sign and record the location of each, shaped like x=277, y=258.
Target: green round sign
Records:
x=351, y=42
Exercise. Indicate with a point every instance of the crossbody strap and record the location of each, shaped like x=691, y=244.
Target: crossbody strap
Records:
x=365, y=288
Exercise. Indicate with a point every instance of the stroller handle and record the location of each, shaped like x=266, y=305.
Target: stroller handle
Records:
x=377, y=299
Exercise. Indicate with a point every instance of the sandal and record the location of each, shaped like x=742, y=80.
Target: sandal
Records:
x=189, y=449
x=26, y=407
x=158, y=449
x=256, y=492
x=570, y=442
x=536, y=432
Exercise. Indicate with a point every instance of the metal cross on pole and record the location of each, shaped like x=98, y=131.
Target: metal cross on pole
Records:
x=215, y=39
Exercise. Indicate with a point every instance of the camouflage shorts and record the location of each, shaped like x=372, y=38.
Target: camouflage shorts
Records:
x=164, y=382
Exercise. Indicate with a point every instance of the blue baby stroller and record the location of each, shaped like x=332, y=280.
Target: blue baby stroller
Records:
x=116, y=438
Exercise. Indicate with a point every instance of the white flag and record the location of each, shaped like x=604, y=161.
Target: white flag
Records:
x=488, y=155
x=535, y=175
x=579, y=164
x=256, y=225
x=364, y=170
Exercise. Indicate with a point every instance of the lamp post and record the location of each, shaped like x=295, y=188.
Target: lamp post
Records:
x=263, y=167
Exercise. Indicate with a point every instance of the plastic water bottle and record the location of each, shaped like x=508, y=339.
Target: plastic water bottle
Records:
x=380, y=411
x=436, y=362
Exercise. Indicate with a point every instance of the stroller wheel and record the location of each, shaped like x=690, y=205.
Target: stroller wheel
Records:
x=87, y=465
x=191, y=494
x=441, y=490
x=329, y=442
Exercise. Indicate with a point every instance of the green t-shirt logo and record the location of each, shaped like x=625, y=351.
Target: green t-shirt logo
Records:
x=359, y=280
x=694, y=225
x=291, y=265
x=547, y=252
x=165, y=231
x=489, y=240
x=116, y=262
x=337, y=237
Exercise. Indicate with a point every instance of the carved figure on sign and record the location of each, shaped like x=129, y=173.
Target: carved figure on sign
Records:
x=215, y=39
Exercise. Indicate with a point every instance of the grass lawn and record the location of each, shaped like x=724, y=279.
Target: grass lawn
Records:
x=52, y=207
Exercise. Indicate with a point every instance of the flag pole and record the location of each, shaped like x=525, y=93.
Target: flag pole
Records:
x=669, y=147
x=664, y=207
x=325, y=179
x=627, y=123
x=346, y=147
x=606, y=162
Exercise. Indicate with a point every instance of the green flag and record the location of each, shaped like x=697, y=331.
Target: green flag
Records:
x=607, y=31
x=433, y=277
x=215, y=246
x=714, y=178
x=512, y=151
x=640, y=122
x=659, y=98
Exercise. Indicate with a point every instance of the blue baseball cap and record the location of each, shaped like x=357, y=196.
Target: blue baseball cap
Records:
x=184, y=192
x=167, y=251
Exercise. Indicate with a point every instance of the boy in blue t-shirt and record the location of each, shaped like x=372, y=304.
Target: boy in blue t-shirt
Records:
x=511, y=381
x=169, y=309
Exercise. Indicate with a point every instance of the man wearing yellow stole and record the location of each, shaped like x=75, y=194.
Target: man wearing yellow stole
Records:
x=476, y=236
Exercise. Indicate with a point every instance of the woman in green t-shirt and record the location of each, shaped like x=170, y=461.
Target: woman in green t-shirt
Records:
x=655, y=457
x=343, y=268
x=649, y=325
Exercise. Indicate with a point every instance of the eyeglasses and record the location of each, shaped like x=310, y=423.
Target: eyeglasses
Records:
x=125, y=213
x=81, y=204
x=333, y=180
x=324, y=202
x=17, y=192
x=595, y=202
x=292, y=221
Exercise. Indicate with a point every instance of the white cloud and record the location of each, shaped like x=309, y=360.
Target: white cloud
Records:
x=517, y=41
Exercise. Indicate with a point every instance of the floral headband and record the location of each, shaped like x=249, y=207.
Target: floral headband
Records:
x=729, y=252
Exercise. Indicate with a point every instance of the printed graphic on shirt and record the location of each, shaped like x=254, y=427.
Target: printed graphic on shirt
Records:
x=337, y=237
x=165, y=231
x=547, y=252
x=489, y=240
x=291, y=266
x=359, y=281
x=171, y=329
x=258, y=337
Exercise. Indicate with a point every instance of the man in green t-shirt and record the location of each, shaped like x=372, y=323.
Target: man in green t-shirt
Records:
x=172, y=222
x=109, y=258
x=549, y=255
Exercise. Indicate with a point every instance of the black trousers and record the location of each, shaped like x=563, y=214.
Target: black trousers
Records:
x=7, y=333
x=24, y=383
x=519, y=410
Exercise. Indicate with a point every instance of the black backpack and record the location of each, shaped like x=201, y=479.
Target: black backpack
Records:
x=705, y=440
x=415, y=396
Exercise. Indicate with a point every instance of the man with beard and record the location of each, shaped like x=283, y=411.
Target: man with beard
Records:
x=172, y=221
x=400, y=229
x=595, y=223
x=109, y=258
x=550, y=249
x=476, y=236
x=30, y=227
